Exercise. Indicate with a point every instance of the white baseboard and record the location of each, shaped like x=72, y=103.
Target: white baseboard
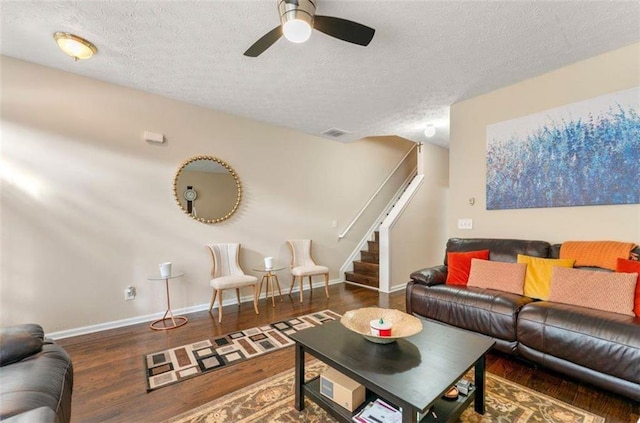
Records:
x=394, y=289
x=359, y=285
x=400, y=287
x=151, y=317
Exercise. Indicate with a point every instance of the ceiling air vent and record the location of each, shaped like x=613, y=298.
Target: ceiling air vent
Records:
x=334, y=132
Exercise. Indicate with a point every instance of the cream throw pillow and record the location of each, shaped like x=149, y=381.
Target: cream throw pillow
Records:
x=538, y=277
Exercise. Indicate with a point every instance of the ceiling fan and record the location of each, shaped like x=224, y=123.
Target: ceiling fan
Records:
x=298, y=18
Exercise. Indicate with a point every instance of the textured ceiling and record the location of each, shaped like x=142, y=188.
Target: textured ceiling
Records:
x=425, y=55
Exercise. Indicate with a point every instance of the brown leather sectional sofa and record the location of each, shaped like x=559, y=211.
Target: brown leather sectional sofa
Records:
x=597, y=347
x=36, y=377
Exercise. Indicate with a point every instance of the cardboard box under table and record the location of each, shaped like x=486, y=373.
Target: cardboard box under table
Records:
x=342, y=390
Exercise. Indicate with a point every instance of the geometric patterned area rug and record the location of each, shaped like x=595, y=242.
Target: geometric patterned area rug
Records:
x=271, y=401
x=174, y=365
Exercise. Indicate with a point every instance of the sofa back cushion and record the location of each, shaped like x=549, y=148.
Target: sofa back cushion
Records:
x=460, y=265
x=508, y=277
x=506, y=250
x=607, y=291
x=538, y=278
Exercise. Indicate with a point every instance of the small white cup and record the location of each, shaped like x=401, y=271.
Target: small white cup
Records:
x=380, y=329
x=268, y=263
x=165, y=269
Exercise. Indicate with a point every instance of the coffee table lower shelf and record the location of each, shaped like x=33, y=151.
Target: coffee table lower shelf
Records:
x=446, y=411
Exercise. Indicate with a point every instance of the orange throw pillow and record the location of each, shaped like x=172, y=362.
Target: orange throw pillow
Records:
x=631, y=266
x=460, y=265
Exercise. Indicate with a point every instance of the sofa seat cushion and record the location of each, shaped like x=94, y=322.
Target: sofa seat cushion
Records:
x=599, y=340
x=481, y=310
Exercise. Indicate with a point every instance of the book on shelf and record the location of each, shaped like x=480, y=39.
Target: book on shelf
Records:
x=378, y=411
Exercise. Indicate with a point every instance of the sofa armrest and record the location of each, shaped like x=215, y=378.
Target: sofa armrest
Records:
x=431, y=275
x=19, y=342
x=34, y=329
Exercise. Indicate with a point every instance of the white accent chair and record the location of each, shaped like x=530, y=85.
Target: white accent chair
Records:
x=302, y=264
x=227, y=274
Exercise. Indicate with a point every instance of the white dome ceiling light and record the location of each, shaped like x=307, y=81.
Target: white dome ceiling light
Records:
x=429, y=131
x=74, y=46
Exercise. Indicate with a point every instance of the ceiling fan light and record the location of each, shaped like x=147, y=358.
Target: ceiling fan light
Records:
x=296, y=30
x=74, y=46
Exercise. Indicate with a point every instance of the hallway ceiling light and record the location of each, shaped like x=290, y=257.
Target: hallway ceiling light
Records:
x=74, y=46
x=429, y=131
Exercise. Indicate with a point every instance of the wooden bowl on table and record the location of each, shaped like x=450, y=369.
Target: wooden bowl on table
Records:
x=403, y=324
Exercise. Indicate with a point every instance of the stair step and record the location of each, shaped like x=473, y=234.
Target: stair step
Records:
x=370, y=257
x=374, y=246
x=362, y=279
x=365, y=268
x=377, y=236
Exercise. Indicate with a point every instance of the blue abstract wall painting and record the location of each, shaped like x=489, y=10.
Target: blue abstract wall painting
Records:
x=585, y=153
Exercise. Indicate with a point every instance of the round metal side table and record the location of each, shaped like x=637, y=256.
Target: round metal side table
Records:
x=176, y=321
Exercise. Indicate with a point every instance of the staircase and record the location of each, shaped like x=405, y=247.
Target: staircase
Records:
x=366, y=270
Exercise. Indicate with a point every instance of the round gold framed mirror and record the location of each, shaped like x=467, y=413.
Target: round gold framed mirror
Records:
x=207, y=189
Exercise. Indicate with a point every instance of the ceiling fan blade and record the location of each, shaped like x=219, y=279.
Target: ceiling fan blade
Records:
x=264, y=42
x=343, y=29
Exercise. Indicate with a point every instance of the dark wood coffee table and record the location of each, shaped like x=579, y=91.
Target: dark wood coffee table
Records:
x=412, y=373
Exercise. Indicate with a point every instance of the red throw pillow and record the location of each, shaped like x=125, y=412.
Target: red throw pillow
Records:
x=460, y=265
x=631, y=266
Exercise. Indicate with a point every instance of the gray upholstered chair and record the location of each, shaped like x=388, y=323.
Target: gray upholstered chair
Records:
x=302, y=264
x=226, y=273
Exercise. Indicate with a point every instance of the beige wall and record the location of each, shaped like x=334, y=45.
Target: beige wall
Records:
x=87, y=205
x=418, y=237
x=610, y=72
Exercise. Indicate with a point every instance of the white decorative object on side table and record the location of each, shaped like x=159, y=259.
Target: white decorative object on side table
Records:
x=165, y=269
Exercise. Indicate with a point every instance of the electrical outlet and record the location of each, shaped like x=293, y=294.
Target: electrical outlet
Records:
x=334, y=223
x=465, y=223
x=129, y=293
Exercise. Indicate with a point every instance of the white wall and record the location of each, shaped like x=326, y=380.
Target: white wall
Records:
x=418, y=237
x=88, y=209
x=607, y=73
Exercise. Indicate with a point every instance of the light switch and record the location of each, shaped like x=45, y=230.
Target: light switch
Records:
x=465, y=223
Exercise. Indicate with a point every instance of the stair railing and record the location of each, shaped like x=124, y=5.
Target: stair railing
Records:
x=364, y=208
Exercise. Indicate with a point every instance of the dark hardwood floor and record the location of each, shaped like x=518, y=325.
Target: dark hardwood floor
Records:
x=109, y=383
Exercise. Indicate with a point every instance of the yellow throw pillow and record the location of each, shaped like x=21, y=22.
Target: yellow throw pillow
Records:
x=537, y=280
